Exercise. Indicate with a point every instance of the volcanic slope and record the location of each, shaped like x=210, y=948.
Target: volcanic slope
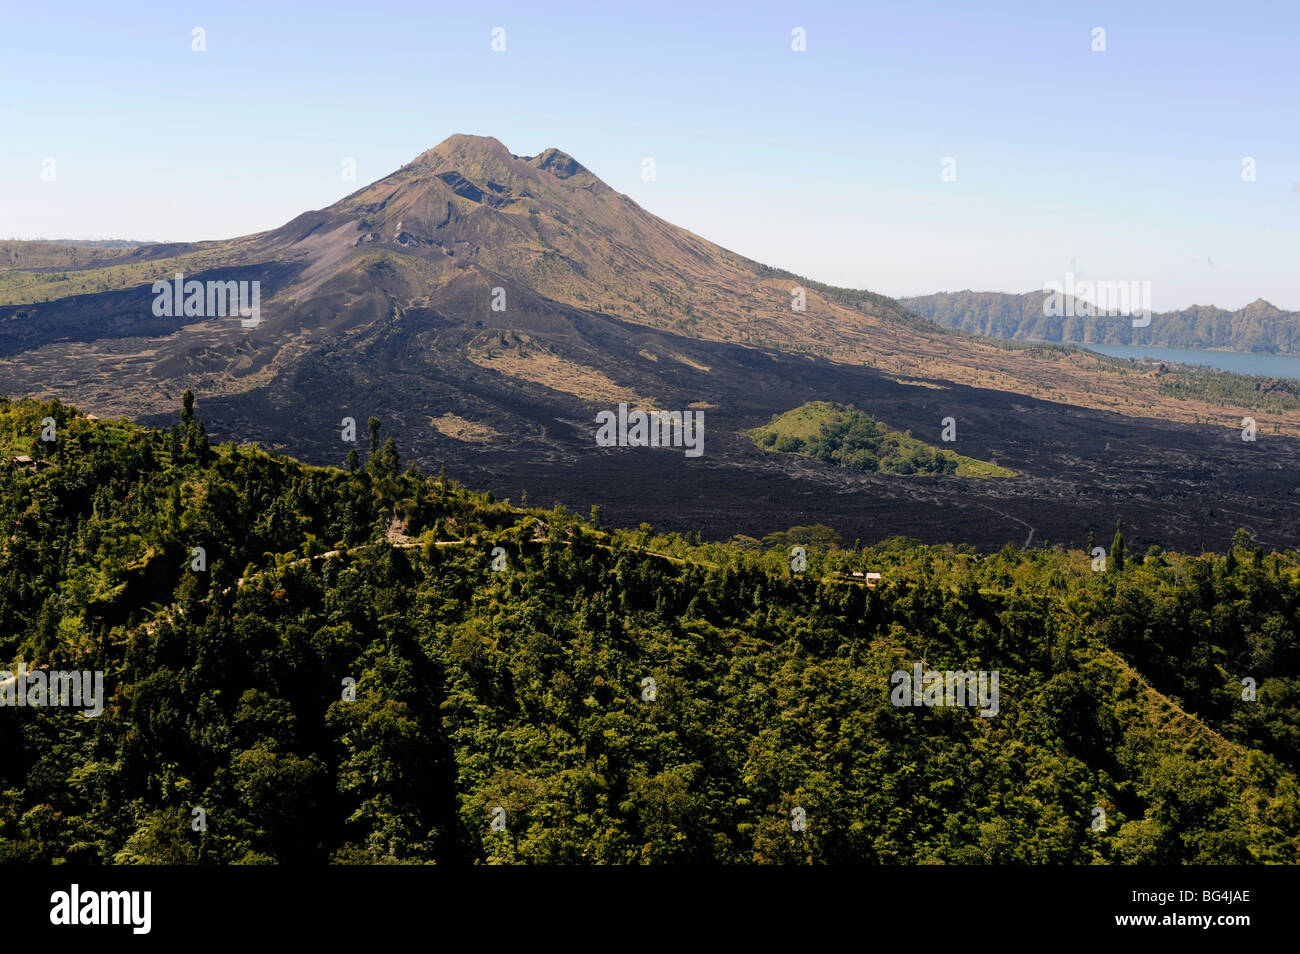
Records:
x=383, y=304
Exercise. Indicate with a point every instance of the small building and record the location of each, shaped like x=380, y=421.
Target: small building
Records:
x=873, y=579
x=22, y=460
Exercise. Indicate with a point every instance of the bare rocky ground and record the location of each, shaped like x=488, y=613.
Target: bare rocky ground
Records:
x=1178, y=486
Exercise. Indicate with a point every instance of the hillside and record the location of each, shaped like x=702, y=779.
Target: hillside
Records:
x=525, y=687
x=423, y=249
x=487, y=306
x=1258, y=327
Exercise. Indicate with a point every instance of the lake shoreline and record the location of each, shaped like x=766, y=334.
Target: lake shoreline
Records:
x=1254, y=363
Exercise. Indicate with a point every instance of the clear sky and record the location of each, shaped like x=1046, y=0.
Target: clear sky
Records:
x=1117, y=165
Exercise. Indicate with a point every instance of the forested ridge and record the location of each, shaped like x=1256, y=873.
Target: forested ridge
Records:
x=1257, y=327
x=523, y=687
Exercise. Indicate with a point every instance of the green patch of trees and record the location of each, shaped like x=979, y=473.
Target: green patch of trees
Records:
x=851, y=439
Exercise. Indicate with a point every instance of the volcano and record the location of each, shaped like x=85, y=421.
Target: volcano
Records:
x=487, y=307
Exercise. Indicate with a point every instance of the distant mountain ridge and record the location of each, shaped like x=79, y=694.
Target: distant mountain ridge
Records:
x=1258, y=327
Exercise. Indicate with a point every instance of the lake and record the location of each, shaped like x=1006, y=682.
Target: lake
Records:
x=1269, y=365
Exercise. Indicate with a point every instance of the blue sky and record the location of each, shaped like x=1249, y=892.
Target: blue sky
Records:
x=1117, y=165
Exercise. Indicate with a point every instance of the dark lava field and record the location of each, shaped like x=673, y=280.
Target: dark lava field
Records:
x=1179, y=486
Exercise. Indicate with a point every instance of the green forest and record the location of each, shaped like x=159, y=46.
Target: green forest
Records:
x=375, y=665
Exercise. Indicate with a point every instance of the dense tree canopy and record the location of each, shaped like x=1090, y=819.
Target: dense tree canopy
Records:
x=372, y=662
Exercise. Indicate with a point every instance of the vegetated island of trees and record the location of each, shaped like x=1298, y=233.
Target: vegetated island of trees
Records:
x=843, y=436
x=373, y=661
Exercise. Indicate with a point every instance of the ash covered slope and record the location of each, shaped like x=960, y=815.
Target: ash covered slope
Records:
x=382, y=304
